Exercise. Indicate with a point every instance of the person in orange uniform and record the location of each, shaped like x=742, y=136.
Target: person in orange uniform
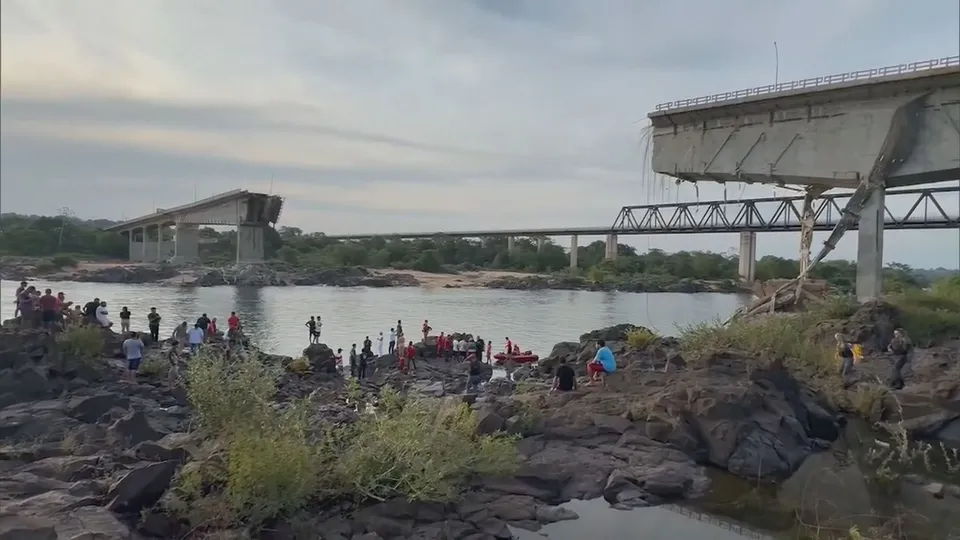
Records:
x=402, y=359
x=441, y=344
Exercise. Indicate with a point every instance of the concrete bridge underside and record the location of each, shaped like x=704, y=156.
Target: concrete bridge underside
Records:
x=174, y=234
x=866, y=135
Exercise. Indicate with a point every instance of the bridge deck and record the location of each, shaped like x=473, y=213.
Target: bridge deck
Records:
x=864, y=77
x=925, y=212
x=160, y=215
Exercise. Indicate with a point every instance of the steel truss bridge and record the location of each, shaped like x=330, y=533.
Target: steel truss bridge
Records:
x=926, y=209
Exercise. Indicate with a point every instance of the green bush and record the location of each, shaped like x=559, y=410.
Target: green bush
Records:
x=423, y=451
x=784, y=336
x=83, y=344
x=932, y=314
x=271, y=460
x=640, y=338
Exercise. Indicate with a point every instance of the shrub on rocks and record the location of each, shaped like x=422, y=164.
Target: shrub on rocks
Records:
x=82, y=343
x=422, y=450
x=266, y=459
x=640, y=338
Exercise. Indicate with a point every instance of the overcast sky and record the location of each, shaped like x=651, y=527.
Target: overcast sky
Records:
x=400, y=115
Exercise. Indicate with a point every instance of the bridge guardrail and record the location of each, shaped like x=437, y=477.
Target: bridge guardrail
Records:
x=814, y=82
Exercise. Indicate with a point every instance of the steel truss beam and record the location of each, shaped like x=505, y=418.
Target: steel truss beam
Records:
x=782, y=214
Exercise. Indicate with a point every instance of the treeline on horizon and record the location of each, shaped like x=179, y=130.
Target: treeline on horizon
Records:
x=65, y=238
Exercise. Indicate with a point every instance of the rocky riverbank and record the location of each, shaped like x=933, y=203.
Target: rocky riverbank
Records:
x=85, y=453
x=277, y=274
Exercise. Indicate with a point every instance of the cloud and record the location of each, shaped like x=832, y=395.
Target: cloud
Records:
x=374, y=115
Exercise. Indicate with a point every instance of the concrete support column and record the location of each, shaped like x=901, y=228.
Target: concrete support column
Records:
x=748, y=256
x=130, y=254
x=611, y=252
x=870, y=248
x=541, y=241
x=161, y=249
x=249, y=244
x=510, y=245
x=143, y=244
x=574, y=251
x=186, y=243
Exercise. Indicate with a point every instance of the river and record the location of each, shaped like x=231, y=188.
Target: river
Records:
x=274, y=317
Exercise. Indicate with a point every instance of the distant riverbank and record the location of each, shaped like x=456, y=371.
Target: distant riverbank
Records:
x=280, y=275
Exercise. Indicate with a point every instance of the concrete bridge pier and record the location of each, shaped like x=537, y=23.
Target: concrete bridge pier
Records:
x=574, y=251
x=186, y=242
x=541, y=241
x=870, y=248
x=611, y=252
x=748, y=256
x=510, y=245
x=250, y=244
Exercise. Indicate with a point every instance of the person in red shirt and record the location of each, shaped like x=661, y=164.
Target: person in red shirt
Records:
x=233, y=323
x=212, y=328
x=412, y=356
x=448, y=344
x=509, y=346
x=441, y=345
x=48, y=308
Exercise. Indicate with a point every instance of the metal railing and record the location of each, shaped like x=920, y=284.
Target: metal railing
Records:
x=774, y=214
x=815, y=82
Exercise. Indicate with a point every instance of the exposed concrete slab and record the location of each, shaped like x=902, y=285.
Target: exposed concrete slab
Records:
x=832, y=138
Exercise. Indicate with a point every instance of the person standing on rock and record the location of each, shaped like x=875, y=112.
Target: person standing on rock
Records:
x=380, y=345
x=441, y=344
x=16, y=300
x=399, y=329
x=203, y=322
x=338, y=359
x=479, y=345
x=489, y=352
x=153, y=323
x=900, y=347
x=319, y=327
x=362, y=365
x=48, y=309
x=195, y=337
x=124, y=320
x=353, y=360
x=393, y=342
x=426, y=328
x=133, y=351
x=844, y=354
x=312, y=329
x=412, y=356
x=367, y=346
x=456, y=349
x=102, y=315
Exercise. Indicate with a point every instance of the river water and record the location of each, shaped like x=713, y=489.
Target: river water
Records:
x=274, y=318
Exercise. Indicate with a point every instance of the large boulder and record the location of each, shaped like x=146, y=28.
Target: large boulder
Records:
x=322, y=359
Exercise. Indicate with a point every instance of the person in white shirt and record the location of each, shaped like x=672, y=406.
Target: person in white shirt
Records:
x=102, y=315
x=319, y=328
x=456, y=348
x=391, y=347
x=195, y=337
x=380, y=344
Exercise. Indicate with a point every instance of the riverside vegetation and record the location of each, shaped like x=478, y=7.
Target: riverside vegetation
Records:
x=63, y=241
x=274, y=447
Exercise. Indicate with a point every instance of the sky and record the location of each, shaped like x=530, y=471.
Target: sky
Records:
x=411, y=115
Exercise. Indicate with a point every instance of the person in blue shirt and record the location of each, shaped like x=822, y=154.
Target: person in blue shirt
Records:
x=602, y=363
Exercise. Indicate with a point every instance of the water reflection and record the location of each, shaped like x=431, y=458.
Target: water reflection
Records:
x=274, y=317
x=598, y=521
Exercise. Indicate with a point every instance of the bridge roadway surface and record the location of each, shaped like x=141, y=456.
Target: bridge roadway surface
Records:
x=925, y=212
